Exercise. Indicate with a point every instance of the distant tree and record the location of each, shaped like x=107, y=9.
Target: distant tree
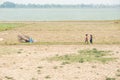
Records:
x=8, y=5
x=20, y=6
x=13, y=5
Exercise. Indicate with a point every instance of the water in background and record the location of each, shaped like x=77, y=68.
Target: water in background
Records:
x=59, y=14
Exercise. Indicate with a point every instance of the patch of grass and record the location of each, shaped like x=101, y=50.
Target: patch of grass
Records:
x=21, y=67
x=117, y=51
x=8, y=26
x=93, y=66
x=47, y=77
x=61, y=66
x=19, y=52
x=55, y=67
x=38, y=71
x=76, y=77
x=78, y=67
x=110, y=78
x=59, y=43
x=64, y=63
x=85, y=56
x=118, y=70
x=39, y=67
x=34, y=79
x=118, y=74
x=9, y=78
x=14, y=62
x=56, y=55
x=81, y=60
x=20, y=49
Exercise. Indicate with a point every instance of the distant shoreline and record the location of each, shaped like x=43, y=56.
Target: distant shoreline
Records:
x=61, y=21
x=55, y=7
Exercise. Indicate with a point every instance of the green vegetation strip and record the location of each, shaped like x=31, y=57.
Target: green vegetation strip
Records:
x=54, y=43
x=59, y=43
x=110, y=78
x=85, y=56
x=47, y=43
x=8, y=26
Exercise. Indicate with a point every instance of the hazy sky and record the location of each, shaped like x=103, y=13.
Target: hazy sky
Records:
x=65, y=1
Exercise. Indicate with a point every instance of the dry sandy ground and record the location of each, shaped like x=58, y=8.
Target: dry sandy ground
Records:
x=28, y=62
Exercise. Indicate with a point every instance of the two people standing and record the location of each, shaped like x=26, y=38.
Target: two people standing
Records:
x=87, y=39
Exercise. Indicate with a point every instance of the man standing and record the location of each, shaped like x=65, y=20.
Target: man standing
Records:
x=91, y=39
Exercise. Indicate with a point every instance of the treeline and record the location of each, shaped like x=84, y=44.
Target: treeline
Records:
x=13, y=5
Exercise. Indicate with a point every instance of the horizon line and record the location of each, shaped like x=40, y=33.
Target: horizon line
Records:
x=59, y=3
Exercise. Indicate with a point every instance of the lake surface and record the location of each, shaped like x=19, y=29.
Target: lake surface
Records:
x=59, y=14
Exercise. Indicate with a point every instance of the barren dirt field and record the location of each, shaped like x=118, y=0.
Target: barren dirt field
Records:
x=30, y=63
x=59, y=51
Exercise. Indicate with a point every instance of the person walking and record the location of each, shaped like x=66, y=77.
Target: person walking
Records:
x=86, y=38
x=91, y=39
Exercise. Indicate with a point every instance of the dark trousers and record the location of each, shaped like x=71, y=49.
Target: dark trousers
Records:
x=91, y=41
